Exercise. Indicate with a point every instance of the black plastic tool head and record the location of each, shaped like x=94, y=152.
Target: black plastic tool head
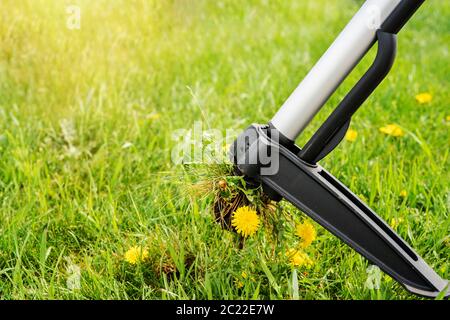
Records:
x=326, y=200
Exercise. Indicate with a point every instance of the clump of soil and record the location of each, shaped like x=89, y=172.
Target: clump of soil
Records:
x=229, y=192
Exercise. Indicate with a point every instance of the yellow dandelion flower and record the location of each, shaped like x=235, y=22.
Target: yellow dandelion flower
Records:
x=298, y=258
x=136, y=254
x=447, y=118
x=443, y=269
x=244, y=275
x=392, y=130
x=395, y=222
x=403, y=193
x=245, y=221
x=306, y=232
x=424, y=97
x=154, y=116
x=239, y=284
x=351, y=135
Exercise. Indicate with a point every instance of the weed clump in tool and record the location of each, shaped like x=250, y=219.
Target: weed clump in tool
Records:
x=237, y=205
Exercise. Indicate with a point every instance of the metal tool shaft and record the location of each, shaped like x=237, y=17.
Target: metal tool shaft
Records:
x=332, y=68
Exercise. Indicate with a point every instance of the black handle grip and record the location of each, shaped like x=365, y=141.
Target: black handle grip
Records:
x=401, y=14
x=330, y=133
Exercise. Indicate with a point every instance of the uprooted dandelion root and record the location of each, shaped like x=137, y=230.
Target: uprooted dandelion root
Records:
x=230, y=192
x=223, y=208
x=229, y=198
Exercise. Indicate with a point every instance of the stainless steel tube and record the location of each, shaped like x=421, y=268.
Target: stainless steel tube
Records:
x=332, y=68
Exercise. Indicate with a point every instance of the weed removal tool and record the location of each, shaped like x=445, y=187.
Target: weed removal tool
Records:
x=266, y=154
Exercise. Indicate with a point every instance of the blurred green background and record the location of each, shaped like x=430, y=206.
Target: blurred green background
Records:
x=86, y=123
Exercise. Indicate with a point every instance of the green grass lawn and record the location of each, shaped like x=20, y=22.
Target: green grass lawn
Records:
x=86, y=133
